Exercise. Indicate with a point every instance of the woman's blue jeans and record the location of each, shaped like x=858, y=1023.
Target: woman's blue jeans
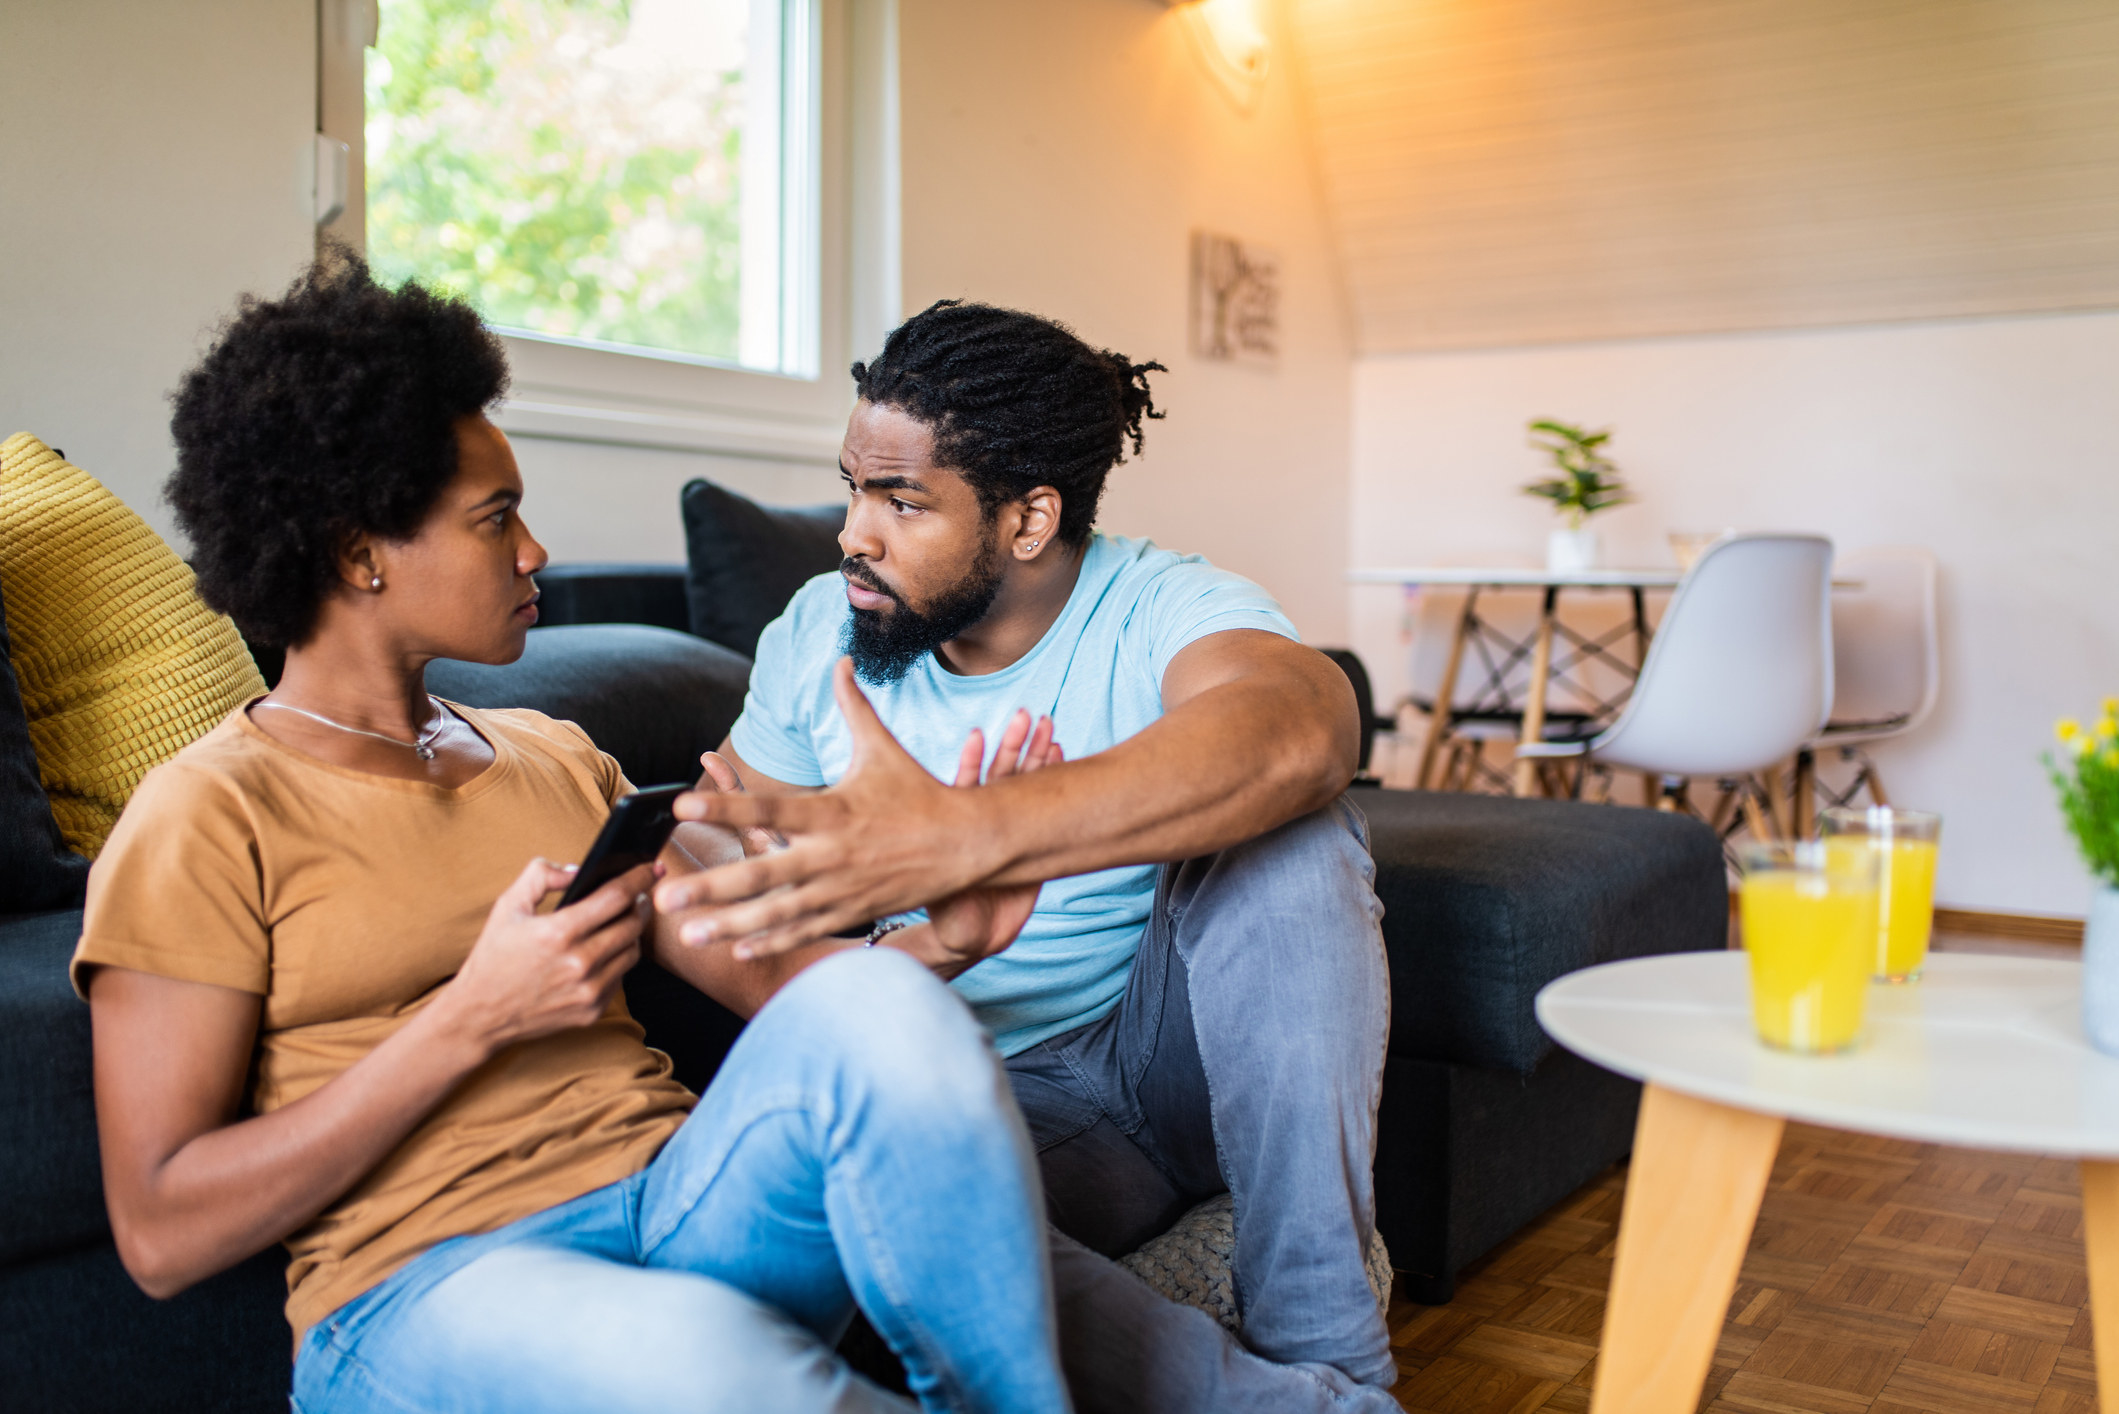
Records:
x=860, y=1144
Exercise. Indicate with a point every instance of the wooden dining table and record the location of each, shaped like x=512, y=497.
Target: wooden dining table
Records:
x=1634, y=582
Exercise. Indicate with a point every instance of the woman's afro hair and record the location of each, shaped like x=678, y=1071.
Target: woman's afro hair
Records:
x=324, y=414
x=1015, y=402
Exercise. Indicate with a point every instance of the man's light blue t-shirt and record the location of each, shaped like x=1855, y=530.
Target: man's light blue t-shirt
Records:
x=1097, y=672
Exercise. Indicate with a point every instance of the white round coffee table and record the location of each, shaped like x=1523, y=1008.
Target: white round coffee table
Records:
x=1982, y=1051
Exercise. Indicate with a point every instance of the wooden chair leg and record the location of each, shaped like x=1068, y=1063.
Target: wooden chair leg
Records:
x=1652, y=792
x=1725, y=803
x=1779, y=809
x=1762, y=827
x=1876, y=783
x=1692, y=1196
x=1805, y=794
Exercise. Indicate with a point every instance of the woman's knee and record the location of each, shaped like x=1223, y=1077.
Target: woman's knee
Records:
x=891, y=1020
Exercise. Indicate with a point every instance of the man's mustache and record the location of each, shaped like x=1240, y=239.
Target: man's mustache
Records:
x=859, y=572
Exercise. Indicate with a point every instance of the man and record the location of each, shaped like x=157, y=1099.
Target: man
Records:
x=1199, y=1002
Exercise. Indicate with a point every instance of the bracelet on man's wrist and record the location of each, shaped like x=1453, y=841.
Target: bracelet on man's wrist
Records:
x=883, y=927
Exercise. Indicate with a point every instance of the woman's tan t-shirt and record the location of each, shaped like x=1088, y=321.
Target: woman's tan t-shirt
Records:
x=346, y=900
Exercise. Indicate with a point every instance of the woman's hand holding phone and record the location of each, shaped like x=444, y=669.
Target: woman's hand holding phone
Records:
x=532, y=974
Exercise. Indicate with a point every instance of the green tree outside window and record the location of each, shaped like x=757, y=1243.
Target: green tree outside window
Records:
x=570, y=166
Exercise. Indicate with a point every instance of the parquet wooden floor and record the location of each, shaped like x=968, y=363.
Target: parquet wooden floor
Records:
x=1884, y=1277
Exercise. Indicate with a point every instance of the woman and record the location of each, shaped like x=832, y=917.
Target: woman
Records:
x=328, y=1010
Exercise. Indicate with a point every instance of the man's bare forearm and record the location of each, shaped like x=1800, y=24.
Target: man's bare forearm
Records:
x=1256, y=731
x=1229, y=764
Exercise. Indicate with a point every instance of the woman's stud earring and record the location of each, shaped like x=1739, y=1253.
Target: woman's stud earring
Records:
x=1033, y=544
x=376, y=582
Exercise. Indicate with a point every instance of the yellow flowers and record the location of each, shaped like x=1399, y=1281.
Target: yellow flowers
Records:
x=2099, y=739
x=2087, y=780
x=2106, y=731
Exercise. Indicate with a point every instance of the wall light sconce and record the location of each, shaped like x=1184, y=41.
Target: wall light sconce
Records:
x=1231, y=45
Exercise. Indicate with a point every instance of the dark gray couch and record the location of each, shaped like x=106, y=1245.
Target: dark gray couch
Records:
x=1485, y=1124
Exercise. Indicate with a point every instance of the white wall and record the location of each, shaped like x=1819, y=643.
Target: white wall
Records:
x=153, y=160
x=1988, y=441
x=1056, y=157
x=586, y=501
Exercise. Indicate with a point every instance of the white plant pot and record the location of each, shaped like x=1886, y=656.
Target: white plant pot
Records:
x=2100, y=971
x=1571, y=551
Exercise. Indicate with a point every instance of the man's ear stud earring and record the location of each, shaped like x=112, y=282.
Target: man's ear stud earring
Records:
x=1033, y=544
x=375, y=582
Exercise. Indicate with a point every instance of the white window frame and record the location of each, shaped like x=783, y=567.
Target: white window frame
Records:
x=568, y=390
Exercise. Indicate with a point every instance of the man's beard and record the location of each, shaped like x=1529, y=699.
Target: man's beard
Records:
x=885, y=644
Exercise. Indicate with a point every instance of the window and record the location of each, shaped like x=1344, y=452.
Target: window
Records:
x=712, y=308
x=634, y=176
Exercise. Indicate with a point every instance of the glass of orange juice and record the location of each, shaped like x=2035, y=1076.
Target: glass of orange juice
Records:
x=1903, y=842
x=1809, y=922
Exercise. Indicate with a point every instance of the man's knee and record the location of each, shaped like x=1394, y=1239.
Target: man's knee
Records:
x=1315, y=868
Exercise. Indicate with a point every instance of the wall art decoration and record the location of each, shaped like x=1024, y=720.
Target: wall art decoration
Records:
x=1235, y=301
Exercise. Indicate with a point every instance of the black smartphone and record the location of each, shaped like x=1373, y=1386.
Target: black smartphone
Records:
x=639, y=827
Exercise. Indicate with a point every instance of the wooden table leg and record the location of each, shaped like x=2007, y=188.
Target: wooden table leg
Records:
x=1692, y=1195
x=2100, y=1235
x=1534, y=696
x=1446, y=692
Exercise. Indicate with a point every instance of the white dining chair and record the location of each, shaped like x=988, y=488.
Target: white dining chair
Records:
x=1886, y=667
x=1739, y=675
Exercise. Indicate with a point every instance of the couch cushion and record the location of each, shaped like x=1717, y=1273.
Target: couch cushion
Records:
x=745, y=561
x=77, y=1337
x=51, y=1184
x=653, y=698
x=1486, y=899
x=614, y=594
x=120, y=664
x=37, y=870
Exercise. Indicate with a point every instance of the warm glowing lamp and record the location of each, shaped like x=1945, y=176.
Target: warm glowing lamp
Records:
x=1231, y=44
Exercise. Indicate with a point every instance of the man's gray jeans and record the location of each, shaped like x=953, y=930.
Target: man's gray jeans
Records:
x=1246, y=1055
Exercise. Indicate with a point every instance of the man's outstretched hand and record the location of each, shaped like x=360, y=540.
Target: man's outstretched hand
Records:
x=887, y=838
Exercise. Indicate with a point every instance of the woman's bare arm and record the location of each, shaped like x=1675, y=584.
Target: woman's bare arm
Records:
x=193, y=1187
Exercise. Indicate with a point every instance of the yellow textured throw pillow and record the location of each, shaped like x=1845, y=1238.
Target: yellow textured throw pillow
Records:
x=121, y=665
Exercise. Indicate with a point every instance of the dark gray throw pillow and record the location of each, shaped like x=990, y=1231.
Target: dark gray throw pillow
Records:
x=745, y=561
x=37, y=870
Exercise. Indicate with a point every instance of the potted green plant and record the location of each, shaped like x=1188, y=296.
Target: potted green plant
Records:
x=2086, y=773
x=1588, y=482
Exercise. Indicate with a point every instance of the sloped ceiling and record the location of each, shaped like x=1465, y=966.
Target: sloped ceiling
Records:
x=1506, y=172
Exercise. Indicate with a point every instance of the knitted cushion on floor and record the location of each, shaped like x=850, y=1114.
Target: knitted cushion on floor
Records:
x=1190, y=1263
x=120, y=664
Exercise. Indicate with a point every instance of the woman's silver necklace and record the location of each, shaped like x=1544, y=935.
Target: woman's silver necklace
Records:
x=422, y=747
